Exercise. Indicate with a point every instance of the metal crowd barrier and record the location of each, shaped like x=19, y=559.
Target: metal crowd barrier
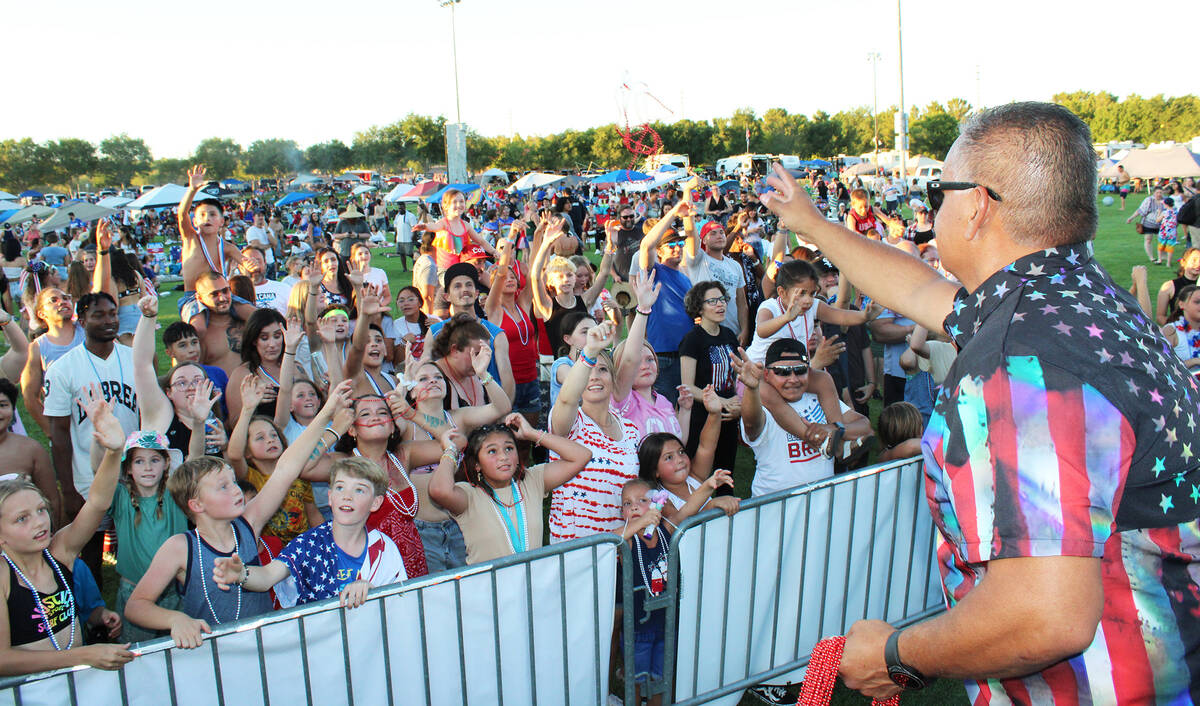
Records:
x=752, y=594
x=540, y=635
x=747, y=597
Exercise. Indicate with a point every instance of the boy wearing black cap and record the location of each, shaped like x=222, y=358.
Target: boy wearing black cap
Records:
x=784, y=459
x=461, y=283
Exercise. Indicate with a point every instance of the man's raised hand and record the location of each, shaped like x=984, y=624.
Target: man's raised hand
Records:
x=790, y=201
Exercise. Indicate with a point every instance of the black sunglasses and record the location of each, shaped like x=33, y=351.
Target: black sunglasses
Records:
x=936, y=191
x=787, y=372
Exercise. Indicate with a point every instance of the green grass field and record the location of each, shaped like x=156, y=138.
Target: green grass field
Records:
x=1118, y=247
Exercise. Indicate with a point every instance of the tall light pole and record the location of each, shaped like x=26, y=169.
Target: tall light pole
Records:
x=873, y=57
x=902, y=132
x=456, y=145
x=454, y=51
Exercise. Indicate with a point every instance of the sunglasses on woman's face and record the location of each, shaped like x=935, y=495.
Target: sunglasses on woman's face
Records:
x=936, y=191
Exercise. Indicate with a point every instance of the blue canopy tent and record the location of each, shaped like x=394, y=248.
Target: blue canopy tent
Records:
x=30, y=194
x=620, y=176
x=5, y=214
x=819, y=163
x=467, y=189
x=295, y=197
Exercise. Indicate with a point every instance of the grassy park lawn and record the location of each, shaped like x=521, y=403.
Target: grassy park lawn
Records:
x=1118, y=248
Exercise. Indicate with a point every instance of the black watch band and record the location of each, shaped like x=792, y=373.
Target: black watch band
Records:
x=835, y=441
x=902, y=675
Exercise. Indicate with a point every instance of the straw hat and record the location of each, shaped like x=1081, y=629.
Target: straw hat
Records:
x=350, y=212
x=621, y=291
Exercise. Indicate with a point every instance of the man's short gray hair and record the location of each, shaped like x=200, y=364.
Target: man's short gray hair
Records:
x=1039, y=158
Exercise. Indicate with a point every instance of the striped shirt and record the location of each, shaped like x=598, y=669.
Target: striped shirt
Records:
x=1066, y=427
x=590, y=503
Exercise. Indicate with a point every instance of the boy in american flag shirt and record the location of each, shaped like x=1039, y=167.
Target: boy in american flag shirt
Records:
x=339, y=558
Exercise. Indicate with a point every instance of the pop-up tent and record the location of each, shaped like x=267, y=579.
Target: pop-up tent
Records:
x=295, y=197
x=467, y=189
x=5, y=196
x=493, y=174
x=362, y=189
x=397, y=191
x=620, y=176
x=168, y=195
x=420, y=191
x=114, y=201
x=1161, y=163
x=536, y=180
x=29, y=213
x=84, y=211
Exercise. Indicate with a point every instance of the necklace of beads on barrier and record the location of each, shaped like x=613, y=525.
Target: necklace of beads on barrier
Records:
x=521, y=530
x=637, y=548
x=822, y=673
x=37, y=599
x=205, y=579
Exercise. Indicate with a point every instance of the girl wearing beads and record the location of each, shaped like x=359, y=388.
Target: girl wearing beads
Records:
x=637, y=368
x=262, y=355
x=497, y=501
x=590, y=503
x=1184, y=333
x=411, y=327
x=39, y=629
x=368, y=349
x=440, y=534
x=556, y=298
x=453, y=234
x=575, y=327
x=54, y=313
x=665, y=465
x=508, y=307
x=255, y=447
x=329, y=284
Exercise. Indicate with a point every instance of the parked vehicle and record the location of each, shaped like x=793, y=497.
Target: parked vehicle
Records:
x=750, y=165
x=655, y=161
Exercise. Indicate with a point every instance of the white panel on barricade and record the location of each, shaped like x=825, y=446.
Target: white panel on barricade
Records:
x=518, y=632
x=758, y=590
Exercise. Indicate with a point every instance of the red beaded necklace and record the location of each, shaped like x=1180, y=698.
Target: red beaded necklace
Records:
x=822, y=673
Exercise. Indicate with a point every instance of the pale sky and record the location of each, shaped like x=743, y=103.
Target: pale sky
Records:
x=176, y=73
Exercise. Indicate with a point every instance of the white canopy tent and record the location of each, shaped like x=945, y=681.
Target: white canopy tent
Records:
x=362, y=189
x=8, y=205
x=114, y=201
x=397, y=191
x=493, y=174
x=165, y=196
x=537, y=180
x=86, y=212
x=5, y=196
x=29, y=213
x=1161, y=163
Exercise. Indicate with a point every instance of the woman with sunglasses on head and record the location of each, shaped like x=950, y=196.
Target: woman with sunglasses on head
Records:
x=410, y=327
x=704, y=359
x=591, y=503
x=262, y=353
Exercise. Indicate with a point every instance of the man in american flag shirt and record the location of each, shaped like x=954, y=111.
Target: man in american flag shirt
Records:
x=1061, y=458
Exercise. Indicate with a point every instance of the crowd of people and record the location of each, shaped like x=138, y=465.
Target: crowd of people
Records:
x=304, y=432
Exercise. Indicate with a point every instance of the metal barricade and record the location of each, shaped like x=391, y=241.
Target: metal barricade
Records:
x=750, y=595
x=540, y=634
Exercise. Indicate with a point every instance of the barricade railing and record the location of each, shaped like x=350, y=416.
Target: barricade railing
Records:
x=750, y=595
x=746, y=599
x=542, y=635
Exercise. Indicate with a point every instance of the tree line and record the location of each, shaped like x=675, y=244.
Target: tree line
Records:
x=417, y=142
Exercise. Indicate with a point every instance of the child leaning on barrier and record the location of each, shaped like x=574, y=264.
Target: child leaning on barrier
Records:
x=651, y=544
x=206, y=490
x=339, y=558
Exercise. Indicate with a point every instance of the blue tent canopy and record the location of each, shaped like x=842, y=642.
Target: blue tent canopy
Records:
x=231, y=180
x=29, y=194
x=295, y=197
x=620, y=176
x=819, y=163
x=437, y=195
x=5, y=214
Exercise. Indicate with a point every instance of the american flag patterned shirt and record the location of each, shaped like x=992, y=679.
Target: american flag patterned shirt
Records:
x=1067, y=427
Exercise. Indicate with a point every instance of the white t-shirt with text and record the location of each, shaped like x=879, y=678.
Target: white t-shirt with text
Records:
x=782, y=460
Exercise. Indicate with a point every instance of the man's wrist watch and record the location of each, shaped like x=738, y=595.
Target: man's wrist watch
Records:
x=902, y=675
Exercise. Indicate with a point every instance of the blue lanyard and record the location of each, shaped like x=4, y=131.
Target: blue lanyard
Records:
x=519, y=531
x=88, y=354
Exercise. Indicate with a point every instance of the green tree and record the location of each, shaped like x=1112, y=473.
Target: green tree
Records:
x=608, y=149
x=332, y=156
x=959, y=108
x=273, y=157
x=170, y=170
x=24, y=164
x=424, y=138
x=381, y=146
x=70, y=159
x=932, y=134
x=221, y=155
x=481, y=153
x=123, y=157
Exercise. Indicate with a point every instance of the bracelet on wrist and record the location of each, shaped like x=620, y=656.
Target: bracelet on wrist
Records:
x=486, y=378
x=103, y=252
x=643, y=312
x=287, y=352
x=245, y=576
x=590, y=362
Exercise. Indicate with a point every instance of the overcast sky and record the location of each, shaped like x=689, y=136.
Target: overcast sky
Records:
x=176, y=73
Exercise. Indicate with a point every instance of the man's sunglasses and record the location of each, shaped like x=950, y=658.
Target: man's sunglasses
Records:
x=787, y=372
x=936, y=190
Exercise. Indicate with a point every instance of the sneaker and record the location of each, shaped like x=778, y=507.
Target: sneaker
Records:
x=773, y=694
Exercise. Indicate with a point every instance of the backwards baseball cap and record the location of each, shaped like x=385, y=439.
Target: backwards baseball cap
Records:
x=787, y=350
x=710, y=227
x=145, y=439
x=474, y=252
x=460, y=269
